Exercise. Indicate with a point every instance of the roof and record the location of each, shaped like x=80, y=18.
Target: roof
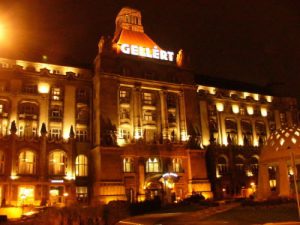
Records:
x=136, y=38
x=281, y=143
x=231, y=84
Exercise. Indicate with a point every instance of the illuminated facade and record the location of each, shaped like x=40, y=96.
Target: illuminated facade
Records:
x=139, y=127
x=44, y=133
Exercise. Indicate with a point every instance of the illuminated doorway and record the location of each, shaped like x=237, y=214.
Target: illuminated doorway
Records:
x=26, y=195
x=56, y=194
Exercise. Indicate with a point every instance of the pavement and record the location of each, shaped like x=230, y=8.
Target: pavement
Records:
x=180, y=218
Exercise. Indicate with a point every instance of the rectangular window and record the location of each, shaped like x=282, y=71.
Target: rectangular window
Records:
x=123, y=94
x=147, y=97
x=81, y=135
x=56, y=94
x=1, y=108
x=82, y=194
x=55, y=133
x=124, y=113
x=149, y=115
x=30, y=88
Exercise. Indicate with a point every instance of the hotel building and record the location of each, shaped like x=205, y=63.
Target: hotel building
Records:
x=139, y=126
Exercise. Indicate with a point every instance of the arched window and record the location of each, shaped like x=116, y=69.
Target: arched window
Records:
x=177, y=165
x=57, y=163
x=2, y=158
x=239, y=163
x=27, y=162
x=222, y=165
x=81, y=166
x=153, y=165
x=254, y=164
x=128, y=165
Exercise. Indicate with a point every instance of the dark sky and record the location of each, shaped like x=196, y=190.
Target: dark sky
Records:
x=252, y=41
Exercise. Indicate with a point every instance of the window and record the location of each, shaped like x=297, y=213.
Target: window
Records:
x=55, y=133
x=171, y=117
x=128, y=165
x=81, y=165
x=30, y=88
x=148, y=115
x=28, y=108
x=124, y=114
x=177, y=165
x=27, y=162
x=82, y=193
x=83, y=113
x=2, y=158
x=56, y=111
x=81, y=135
x=1, y=108
x=56, y=94
x=147, y=97
x=222, y=166
x=153, y=165
x=125, y=134
x=171, y=100
x=124, y=96
x=57, y=163
x=239, y=163
x=26, y=195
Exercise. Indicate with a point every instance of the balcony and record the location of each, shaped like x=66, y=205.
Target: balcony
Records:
x=55, y=118
x=28, y=116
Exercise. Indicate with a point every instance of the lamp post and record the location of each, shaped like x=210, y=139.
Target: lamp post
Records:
x=295, y=182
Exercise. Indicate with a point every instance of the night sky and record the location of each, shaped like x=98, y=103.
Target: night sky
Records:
x=251, y=41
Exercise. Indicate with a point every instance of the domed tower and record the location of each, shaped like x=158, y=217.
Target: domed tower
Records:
x=278, y=160
x=128, y=19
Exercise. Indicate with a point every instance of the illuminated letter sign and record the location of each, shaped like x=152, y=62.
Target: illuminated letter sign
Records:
x=154, y=53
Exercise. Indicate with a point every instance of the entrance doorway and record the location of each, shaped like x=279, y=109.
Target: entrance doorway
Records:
x=56, y=195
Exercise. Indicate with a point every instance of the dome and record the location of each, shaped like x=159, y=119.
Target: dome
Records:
x=281, y=142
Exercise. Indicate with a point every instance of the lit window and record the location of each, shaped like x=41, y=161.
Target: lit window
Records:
x=1, y=108
x=55, y=133
x=123, y=94
x=2, y=162
x=81, y=135
x=81, y=166
x=27, y=162
x=124, y=114
x=147, y=97
x=57, y=163
x=148, y=115
x=56, y=94
x=128, y=165
x=82, y=194
x=177, y=165
x=28, y=108
x=152, y=165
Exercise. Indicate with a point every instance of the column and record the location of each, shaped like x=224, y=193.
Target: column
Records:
x=141, y=170
x=284, y=183
x=239, y=130
x=137, y=108
x=255, y=137
x=204, y=122
x=96, y=107
x=69, y=109
x=182, y=117
x=164, y=114
x=221, y=128
x=263, y=191
x=277, y=119
x=44, y=110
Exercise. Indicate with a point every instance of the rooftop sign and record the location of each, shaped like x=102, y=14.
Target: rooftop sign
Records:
x=154, y=53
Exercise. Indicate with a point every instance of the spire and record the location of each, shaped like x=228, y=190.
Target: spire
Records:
x=43, y=129
x=72, y=134
x=13, y=127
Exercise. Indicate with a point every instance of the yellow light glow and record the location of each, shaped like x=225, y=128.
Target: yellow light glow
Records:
x=212, y=90
x=235, y=109
x=43, y=88
x=137, y=135
x=246, y=94
x=2, y=32
x=66, y=194
x=269, y=98
x=256, y=97
x=220, y=107
x=184, y=136
x=264, y=112
x=250, y=110
x=69, y=176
